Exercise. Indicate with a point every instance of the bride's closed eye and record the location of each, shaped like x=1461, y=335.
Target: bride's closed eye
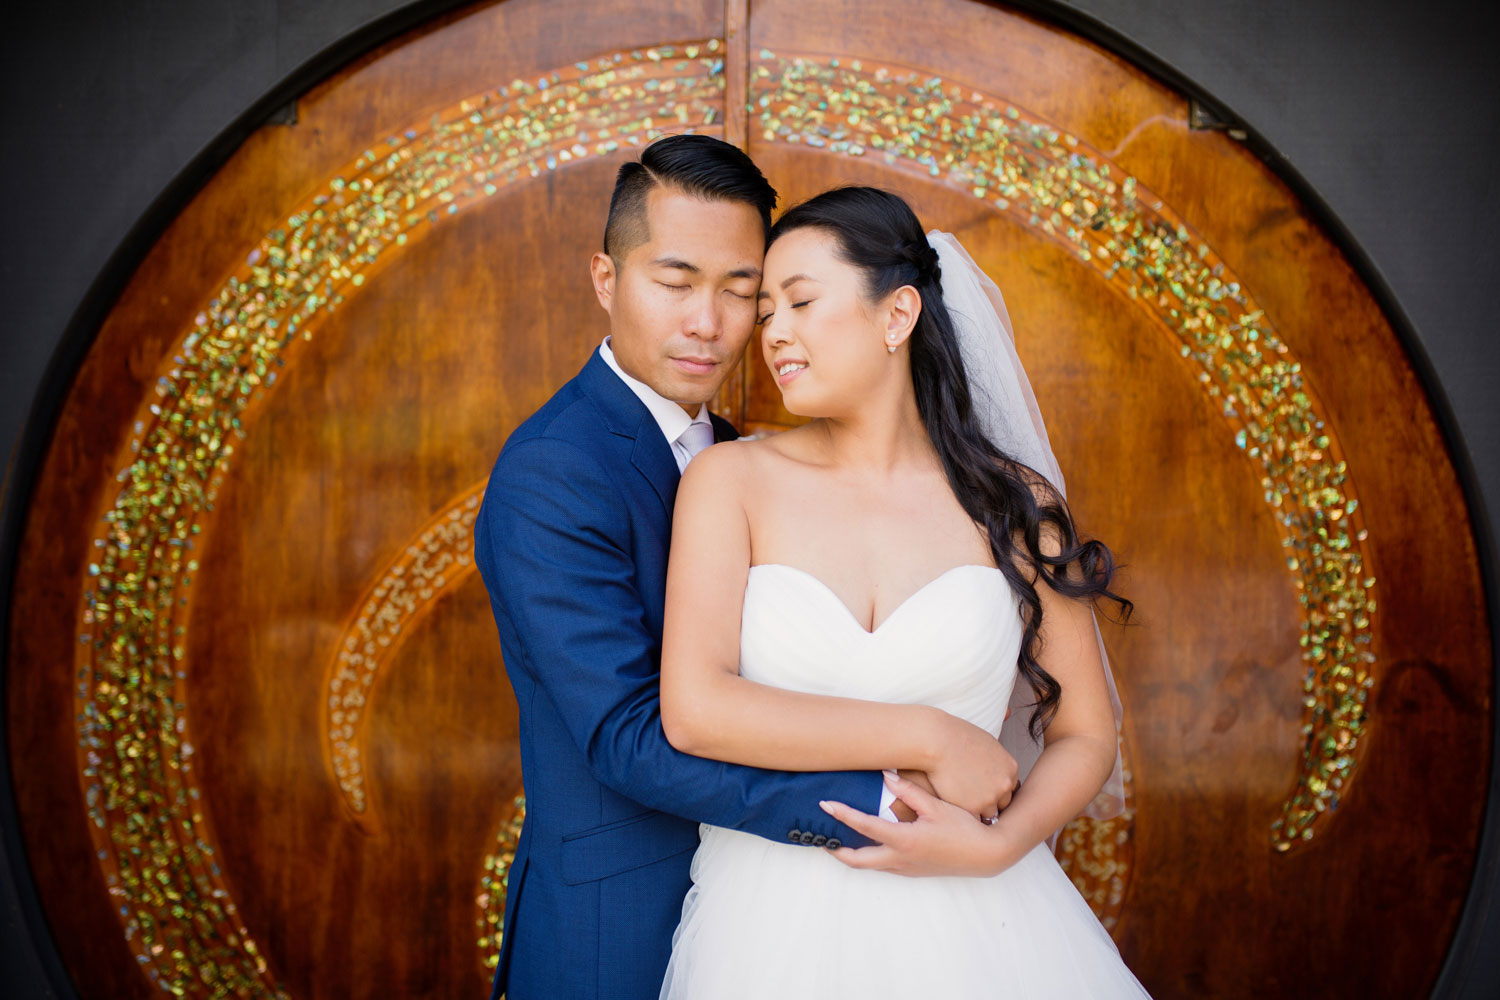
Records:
x=762, y=321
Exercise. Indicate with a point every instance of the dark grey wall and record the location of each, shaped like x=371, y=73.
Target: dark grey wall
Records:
x=1384, y=107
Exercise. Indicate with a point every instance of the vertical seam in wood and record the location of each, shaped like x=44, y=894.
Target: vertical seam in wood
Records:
x=733, y=399
x=736, y=70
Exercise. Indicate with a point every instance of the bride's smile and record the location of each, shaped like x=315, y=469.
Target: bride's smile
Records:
x=786, y=370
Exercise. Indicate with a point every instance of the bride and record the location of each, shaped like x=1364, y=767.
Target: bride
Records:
x=908, y=551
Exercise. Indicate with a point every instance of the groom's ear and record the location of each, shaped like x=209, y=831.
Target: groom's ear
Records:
x=602, y=270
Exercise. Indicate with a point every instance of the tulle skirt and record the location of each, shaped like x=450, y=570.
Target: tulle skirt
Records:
x=780, y=920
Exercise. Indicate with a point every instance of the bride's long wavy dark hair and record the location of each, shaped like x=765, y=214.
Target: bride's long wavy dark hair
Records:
x=878, y=233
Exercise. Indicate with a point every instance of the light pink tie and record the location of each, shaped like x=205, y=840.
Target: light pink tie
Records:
x=699, y=435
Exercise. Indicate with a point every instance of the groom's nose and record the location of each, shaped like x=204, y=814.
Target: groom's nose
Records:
x=706, y=318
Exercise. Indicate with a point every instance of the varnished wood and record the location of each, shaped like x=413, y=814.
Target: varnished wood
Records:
x=404, y=397
x=736, y=64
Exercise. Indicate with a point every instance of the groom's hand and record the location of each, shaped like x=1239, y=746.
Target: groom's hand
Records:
x=904, y=812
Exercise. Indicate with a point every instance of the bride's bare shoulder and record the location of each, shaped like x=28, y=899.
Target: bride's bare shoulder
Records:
x=733, y=465
x=723, y=466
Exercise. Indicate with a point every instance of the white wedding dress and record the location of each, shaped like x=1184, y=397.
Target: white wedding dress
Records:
x=777, y=920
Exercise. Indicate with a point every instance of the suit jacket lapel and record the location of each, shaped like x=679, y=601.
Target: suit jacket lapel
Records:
x=723, y=429
x=653, y=457
x=627, y=416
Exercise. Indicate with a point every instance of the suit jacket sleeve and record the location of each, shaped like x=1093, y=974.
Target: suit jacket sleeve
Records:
x=553, y=540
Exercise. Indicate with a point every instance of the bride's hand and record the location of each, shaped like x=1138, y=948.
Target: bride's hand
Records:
x=944, y=839
x=974, y=772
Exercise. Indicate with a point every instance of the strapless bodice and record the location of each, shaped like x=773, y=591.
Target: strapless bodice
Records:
x=953, y=644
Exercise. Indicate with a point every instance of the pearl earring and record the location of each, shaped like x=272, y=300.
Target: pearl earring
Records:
x=891, y=347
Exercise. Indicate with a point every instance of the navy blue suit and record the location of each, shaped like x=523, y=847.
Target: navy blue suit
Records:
x=572, y=543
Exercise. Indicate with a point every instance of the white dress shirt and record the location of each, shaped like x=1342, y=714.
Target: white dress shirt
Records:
x=688, y=436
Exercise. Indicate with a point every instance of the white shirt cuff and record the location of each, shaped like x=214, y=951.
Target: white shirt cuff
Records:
x=887, y=797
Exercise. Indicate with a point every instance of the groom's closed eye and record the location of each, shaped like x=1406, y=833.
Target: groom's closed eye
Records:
x=670, y=268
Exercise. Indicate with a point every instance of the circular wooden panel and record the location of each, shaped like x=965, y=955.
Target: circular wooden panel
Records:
x=262, y=736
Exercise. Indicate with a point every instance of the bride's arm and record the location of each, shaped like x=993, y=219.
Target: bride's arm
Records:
x=1080, y=741
x=709, y=710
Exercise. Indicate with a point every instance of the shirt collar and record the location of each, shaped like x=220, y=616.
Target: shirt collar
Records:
x=671, y=418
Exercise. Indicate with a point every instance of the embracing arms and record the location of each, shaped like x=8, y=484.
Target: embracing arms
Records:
x=553, y=542
x=709, y=710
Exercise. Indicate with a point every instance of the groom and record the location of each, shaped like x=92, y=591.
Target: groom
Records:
x=572, y=544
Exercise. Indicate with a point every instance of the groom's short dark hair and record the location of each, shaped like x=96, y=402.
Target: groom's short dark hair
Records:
x=694, y=164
